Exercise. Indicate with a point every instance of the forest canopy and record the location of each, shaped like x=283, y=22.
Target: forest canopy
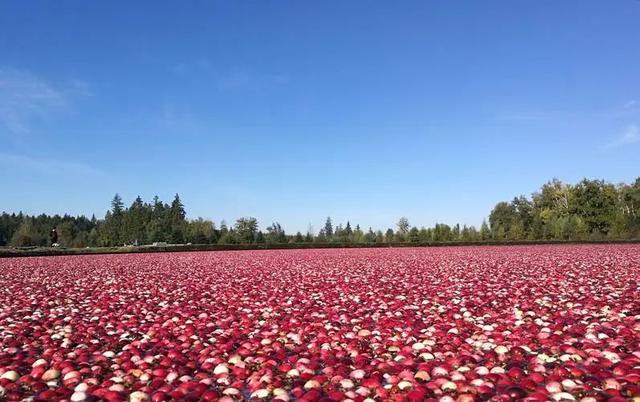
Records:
x=588, y=210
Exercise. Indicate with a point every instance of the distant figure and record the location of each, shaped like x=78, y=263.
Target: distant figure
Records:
x=54, y=237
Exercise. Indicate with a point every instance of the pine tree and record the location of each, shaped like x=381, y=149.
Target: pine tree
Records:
x=347, y=234
x=485, y=232
x=177, y=219
x=388, y=236
x=308, y=238
x=117, y=206
x=328, y=228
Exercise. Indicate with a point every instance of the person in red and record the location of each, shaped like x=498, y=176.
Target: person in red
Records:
x=54, y=236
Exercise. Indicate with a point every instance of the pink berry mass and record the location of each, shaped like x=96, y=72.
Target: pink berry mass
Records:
x=532, y=323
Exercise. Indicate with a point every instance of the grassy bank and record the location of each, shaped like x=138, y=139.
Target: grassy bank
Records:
x=50, y=251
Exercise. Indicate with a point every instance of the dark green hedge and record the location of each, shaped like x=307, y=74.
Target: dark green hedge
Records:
x=47, y=251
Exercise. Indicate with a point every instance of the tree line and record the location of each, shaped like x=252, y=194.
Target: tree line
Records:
x=588, y=210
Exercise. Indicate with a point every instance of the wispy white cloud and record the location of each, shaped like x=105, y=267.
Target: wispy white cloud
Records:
x=80, y=88
x=249, y=80
x=26, y=98
x=234, y=80
x=630, y=135
x=187, y=68
x=229, y=79
x=533, y=116
x=177, y=116
x=21, y=164
x=625, y=110
x=628, y=110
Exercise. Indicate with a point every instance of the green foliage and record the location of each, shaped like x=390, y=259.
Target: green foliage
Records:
x=485, y=231
x=595, y=202
x=441, y=232
x=275, y=234
x=246, y=229
x=67, y=234
x=117, y=205
x=141, y=223
x=201, y=231
x=389, y=236
x=328, y=228
x=589, y=210
x=502, y=217
x=26, y=235
x=357, y=235
x=308, y=238
x=414, y=235
x=370, y=236
x=403, y=226
x=230, y=237
x=570, y=227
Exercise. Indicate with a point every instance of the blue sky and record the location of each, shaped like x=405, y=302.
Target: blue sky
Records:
x=295, y=110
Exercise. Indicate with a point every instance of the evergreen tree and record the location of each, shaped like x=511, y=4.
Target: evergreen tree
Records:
x=389, y=236
x=485, y=232
x=455, y=233
x=117, y=206
x=322, y=237
x=113, y=223
x=358, y=235
x=424, y=235
x=591, y=209
x=328, y=228
x=414, y=235
x=370, y=237
x=308, y=237
x=347, y=233
x=177, y=220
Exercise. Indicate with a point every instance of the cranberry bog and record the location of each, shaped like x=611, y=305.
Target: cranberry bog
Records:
x=531, y=323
